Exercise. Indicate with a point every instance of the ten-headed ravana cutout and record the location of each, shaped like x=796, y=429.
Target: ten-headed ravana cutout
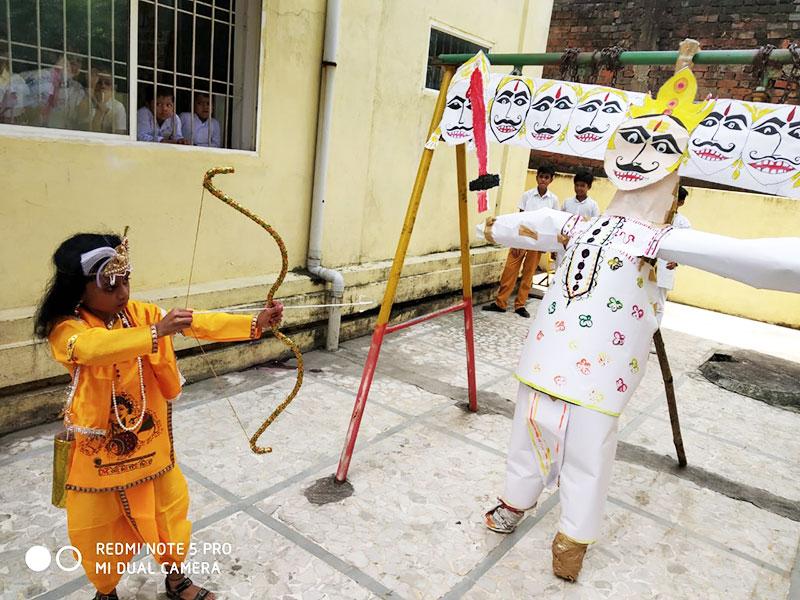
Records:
x=749, y=145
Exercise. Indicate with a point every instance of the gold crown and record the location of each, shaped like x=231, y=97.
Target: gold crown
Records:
x=676, y=99
x=119, y=264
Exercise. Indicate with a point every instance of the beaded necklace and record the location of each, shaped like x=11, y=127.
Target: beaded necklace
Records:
x=125, y=323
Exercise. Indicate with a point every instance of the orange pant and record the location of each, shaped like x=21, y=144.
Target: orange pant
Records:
x=151, y=512
x=528, y=260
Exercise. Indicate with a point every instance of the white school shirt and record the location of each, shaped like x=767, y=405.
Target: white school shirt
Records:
x=587, y=209
x=114, y=121
x=200, y=133
x=531, y=200
x=148, y=129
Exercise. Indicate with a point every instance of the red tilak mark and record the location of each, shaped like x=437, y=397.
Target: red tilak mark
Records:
x=558, y=93
x=727, y=110
x=606, y=98
x=516, y=85
x=658, y=125
x=791, y=116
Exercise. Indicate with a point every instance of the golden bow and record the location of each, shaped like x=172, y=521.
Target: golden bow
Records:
x=207, y=184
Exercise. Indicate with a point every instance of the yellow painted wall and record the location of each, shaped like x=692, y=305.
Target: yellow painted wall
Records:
x=55, y=186
x=381, y=119
x=737, y=214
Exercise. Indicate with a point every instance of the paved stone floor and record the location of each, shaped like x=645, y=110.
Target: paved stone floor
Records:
x=425, y=470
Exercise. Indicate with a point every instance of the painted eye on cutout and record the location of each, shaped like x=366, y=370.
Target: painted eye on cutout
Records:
x=632, y=136
x=612, y=109
x=733, y=125
x=666, y=146
x=767, y=129
x=563, y=104
x=589, y=108
x=709, y=122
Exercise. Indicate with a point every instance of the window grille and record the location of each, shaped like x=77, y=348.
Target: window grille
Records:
x=186, y=47
x=64, y=64
x=445, y=43
x=59, y=59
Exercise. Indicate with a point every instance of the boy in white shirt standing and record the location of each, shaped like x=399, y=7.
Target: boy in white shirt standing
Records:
x=538, y=197
x=199, y=127
x=580, y=203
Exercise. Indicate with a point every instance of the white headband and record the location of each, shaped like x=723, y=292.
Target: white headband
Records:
x=90, y=260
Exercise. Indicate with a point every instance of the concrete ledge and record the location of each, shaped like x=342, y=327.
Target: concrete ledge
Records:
x=32, y=384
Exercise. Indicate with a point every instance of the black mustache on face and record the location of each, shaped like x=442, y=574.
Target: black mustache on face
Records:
x=717, y=145
x=546, y=130
x=635, y=167
x=591, y=130
x=457, y=127
x=507, y=122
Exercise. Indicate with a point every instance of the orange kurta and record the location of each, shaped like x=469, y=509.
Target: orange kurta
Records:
x=123, y=485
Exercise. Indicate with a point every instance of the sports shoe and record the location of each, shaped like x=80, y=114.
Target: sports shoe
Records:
x=493, y=307
x=502, y=518
x=523, y=312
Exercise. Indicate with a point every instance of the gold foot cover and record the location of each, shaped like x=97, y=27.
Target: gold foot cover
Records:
x=567, y=557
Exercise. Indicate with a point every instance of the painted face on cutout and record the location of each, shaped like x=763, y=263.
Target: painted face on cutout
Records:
x=456, y=122
x=594, y=120
x=771, y=153
x=718, y=140
x=549, y=114
x=644, y=150
x=510, y=105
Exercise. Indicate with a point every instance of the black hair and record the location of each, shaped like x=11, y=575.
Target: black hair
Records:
x=682, y=193
x=66, y=288
x=150, y=94
x=546, y=169
x=584, y=176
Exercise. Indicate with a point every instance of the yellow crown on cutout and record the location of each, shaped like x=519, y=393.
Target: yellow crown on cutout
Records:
x=676, y=99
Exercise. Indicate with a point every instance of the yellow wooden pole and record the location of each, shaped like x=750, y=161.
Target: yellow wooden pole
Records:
x=413, y=205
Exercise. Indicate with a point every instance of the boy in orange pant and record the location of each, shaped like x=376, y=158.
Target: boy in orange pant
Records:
x=533, y=199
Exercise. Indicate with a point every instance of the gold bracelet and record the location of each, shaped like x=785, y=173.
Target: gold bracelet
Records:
x=154, y=339
x=254, y=327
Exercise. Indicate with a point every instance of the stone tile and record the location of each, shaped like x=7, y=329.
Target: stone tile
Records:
x=210, y=440
x=258, y=563
x=758, y=533
x=26, y=519
x=487, y=428
x=736, y=463
x=429, y=535
x=386, y=391
x=635, y=558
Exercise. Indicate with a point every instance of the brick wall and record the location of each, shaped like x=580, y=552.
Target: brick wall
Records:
x=661, y=25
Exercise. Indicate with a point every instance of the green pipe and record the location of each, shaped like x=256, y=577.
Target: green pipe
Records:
x=646, y=57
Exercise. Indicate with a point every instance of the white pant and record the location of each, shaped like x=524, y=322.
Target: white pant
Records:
x=584, y=450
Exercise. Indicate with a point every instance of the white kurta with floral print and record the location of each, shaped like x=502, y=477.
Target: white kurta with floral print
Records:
x=590, y=340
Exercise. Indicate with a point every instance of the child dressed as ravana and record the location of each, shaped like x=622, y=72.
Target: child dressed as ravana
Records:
x=588, y=346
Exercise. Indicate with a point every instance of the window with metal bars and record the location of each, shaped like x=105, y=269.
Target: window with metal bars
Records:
x=442, y=42
x=68, y=64
x=64, y=64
